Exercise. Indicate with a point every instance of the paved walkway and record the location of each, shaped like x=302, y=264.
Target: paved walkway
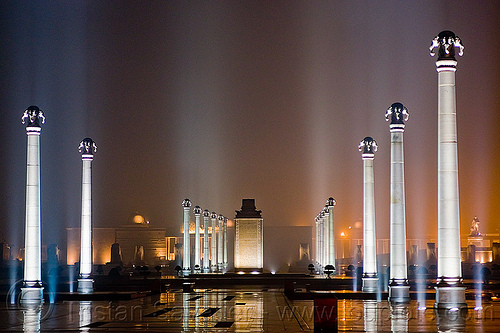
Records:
x=252, y=310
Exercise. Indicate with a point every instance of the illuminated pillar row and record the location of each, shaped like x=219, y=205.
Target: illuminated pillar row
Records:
x=87, y=148
x=206, y=257
x=197, y=238
x=368, y=147
x=32, y=290
x=213, y=219
x=449, y=290
x=399, y=290
x=186, y=257
x=325, y=240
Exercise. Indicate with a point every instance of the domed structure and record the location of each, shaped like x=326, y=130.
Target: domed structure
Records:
x=137, y=219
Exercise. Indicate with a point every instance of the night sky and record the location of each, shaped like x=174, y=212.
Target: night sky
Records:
x=219, y=101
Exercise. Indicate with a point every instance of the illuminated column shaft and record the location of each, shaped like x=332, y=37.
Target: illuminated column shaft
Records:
x=399, y=290
x=197, y=237
x=206, y=262
x=448, y=208
x=220, y=255
x=449, y=290
x=331, y=249
x=213, y=218
x=225, y=263
x=317, y=239
x=369, y=236
x=33, y=253
x=321, y=241
x=86, y=227
x=326, y=223
x=370, y=279
x=186, y=259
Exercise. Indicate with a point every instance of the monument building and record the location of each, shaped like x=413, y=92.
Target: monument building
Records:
x=248, y=251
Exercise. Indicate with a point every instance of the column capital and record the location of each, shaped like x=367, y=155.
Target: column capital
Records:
x=206, y=213
x=186, y=203
x=33, y=118
x=445, y=42
x=221, y=217
x=398, y=114
x=213, y=215
x=331, y=202
x=197, y=210
x=87, y=148
x=368, y=147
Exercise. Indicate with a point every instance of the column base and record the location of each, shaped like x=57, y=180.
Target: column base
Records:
x=32, y=295
x=186, y=271
x=85, y=286
x=219, y=267
x=213, y=269
x=206, y=270
x=399, y=292
x=370, y=283
x=450, y=296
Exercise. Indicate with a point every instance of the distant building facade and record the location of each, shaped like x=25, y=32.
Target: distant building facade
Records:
x=140, y=244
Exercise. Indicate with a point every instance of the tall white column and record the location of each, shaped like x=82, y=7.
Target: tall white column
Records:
x=449, y=290
x=85, y=284
x=186, y=257
x=197, y=238
x=224, y=261
x=368, y=147
x=206, y=262
x=213, y=220
x=399, y=290
x=32, y=290
x=330, y=204
x=220, y=255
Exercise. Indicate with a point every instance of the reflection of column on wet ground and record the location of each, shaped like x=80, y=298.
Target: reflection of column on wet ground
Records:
x=206, y=305
x=399, y=318
x=32, y=316
x=370, y=316
x=85, y=313
x=451, y=320
x=250, y=317
x=197, y=312
x=185, y=312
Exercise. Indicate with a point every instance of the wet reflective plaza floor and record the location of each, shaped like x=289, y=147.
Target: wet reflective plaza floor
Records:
x=241, y=310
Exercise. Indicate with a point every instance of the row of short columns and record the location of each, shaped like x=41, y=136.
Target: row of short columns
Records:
x=325, y=236
x=215, y=255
